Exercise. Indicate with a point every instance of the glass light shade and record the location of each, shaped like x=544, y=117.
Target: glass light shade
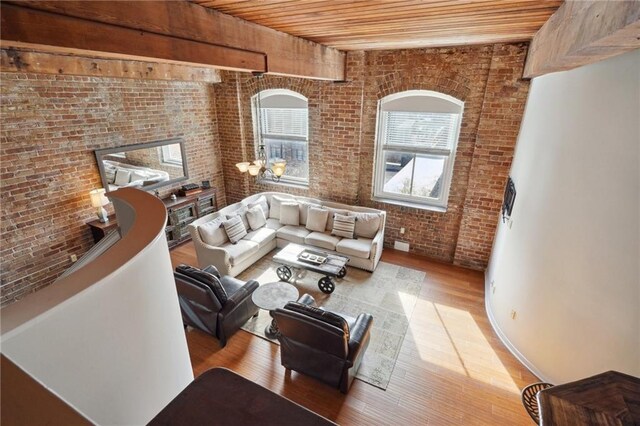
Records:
x=254, y=169
x=259, y=162
x=243, y=167
x=98, y=198
x=278, y=168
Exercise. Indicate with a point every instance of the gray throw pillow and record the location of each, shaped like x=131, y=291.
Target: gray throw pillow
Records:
x=343, y=226
x=234, y=228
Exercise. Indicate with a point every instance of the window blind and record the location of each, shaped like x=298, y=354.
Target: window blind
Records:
x=285, y=121
x=420, y=129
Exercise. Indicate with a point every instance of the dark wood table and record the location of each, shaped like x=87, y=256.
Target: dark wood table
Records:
x=222, y=397
x=610, y=398
x=100, y=229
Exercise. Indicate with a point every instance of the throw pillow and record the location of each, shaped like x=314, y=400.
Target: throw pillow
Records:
x=317, y=219
x=289, y=214
x=256, y=217
x=343, y=226
x=304, y=210
x=122, y=177
x=367, y=224
x=206, y=278
x=262, y=202
x=212, y=232
x=242, y=212
x=234, y=228
x=274, y=209
x=332, y=213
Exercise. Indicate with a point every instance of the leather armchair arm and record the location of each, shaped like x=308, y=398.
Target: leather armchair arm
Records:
x=359, y=335
x=239, y=296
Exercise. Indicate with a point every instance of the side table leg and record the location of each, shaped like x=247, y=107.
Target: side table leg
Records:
x=271, y=330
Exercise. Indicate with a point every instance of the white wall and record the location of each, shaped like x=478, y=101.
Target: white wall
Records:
x=569, y=265
x=115, y=349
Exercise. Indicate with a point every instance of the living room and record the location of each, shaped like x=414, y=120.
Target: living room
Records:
x=506, y=298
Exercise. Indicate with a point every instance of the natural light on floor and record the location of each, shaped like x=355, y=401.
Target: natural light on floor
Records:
x=457, y=343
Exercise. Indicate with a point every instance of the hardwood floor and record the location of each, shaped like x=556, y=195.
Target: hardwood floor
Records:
x=452, y=368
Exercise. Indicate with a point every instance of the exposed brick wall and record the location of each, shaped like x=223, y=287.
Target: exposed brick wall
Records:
x=342, y=138
x=502, y=110
x=50, y=127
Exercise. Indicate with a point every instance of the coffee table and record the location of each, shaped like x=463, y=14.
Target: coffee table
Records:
x=271, y=296
x=334, y=267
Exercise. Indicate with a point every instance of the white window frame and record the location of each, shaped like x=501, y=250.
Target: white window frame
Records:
x=167, y=158
x=284, y=179
x=439, y=204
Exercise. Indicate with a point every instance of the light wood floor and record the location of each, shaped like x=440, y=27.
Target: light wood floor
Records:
x=452, y=368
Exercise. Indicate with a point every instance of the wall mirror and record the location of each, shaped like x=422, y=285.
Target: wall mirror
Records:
x=146, y=166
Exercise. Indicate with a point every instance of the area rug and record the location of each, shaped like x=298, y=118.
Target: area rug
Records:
x=389, y=294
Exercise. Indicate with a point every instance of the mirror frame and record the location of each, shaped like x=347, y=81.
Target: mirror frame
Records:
x=100, y=153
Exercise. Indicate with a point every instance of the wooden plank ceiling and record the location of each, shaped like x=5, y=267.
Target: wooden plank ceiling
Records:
x=395, y=24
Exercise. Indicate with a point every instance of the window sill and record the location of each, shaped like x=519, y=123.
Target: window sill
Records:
x=409, y=204
x=304, y=186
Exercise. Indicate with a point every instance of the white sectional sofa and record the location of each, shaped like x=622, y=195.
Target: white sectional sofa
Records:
x=214, y=248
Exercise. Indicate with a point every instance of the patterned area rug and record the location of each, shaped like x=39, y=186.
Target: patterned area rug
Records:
x=389, y=294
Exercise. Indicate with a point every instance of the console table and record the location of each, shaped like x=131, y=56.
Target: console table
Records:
x=180, y=213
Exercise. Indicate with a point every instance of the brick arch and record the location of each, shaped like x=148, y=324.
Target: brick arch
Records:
x=459, y=87
x=255, y=85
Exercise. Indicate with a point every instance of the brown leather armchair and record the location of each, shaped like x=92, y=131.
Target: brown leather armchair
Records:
x=214, y=304
x=322, y=344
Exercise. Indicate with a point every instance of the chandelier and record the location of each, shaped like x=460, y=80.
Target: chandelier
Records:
x=260, y=168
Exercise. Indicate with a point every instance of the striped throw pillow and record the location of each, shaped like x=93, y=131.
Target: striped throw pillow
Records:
x=343, y=226
x=234, y=228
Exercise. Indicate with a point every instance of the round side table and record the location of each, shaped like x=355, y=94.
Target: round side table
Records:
x=272, y=296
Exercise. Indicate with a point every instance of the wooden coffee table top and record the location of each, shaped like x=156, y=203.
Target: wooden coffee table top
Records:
x=272, y=296
x=289, y=256
x=610, y=398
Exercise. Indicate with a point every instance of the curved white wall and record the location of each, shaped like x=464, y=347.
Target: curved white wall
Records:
x=108, y=339
x=569, y=264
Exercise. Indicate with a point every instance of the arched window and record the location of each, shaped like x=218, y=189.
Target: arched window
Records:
x=416, y=143
x=281, y=124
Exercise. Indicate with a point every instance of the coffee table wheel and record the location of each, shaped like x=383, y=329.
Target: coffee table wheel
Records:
x=342, y=272
x=326, y=285
x=284, y=273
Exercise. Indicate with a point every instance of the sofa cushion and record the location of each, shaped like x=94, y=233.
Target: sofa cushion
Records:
x=294, y=234
x=261, y=236
x=343, y=226
x=256, y=217
x=274, y=209
x=212, y=232
x=289, y=214
x=304, y=210
x=356, y=248
x=367, y=224
x=207, y=279
x=273, y=224
x=317, y=219
x=262, y=202
x=242, y=212
x=320, y=239
x=234, y=228
x=240, y=251
x=332, y=212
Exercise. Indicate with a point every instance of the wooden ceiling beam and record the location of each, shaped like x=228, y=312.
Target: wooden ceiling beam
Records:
x=227, y=37
x=583, y=32
x=21, y=60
